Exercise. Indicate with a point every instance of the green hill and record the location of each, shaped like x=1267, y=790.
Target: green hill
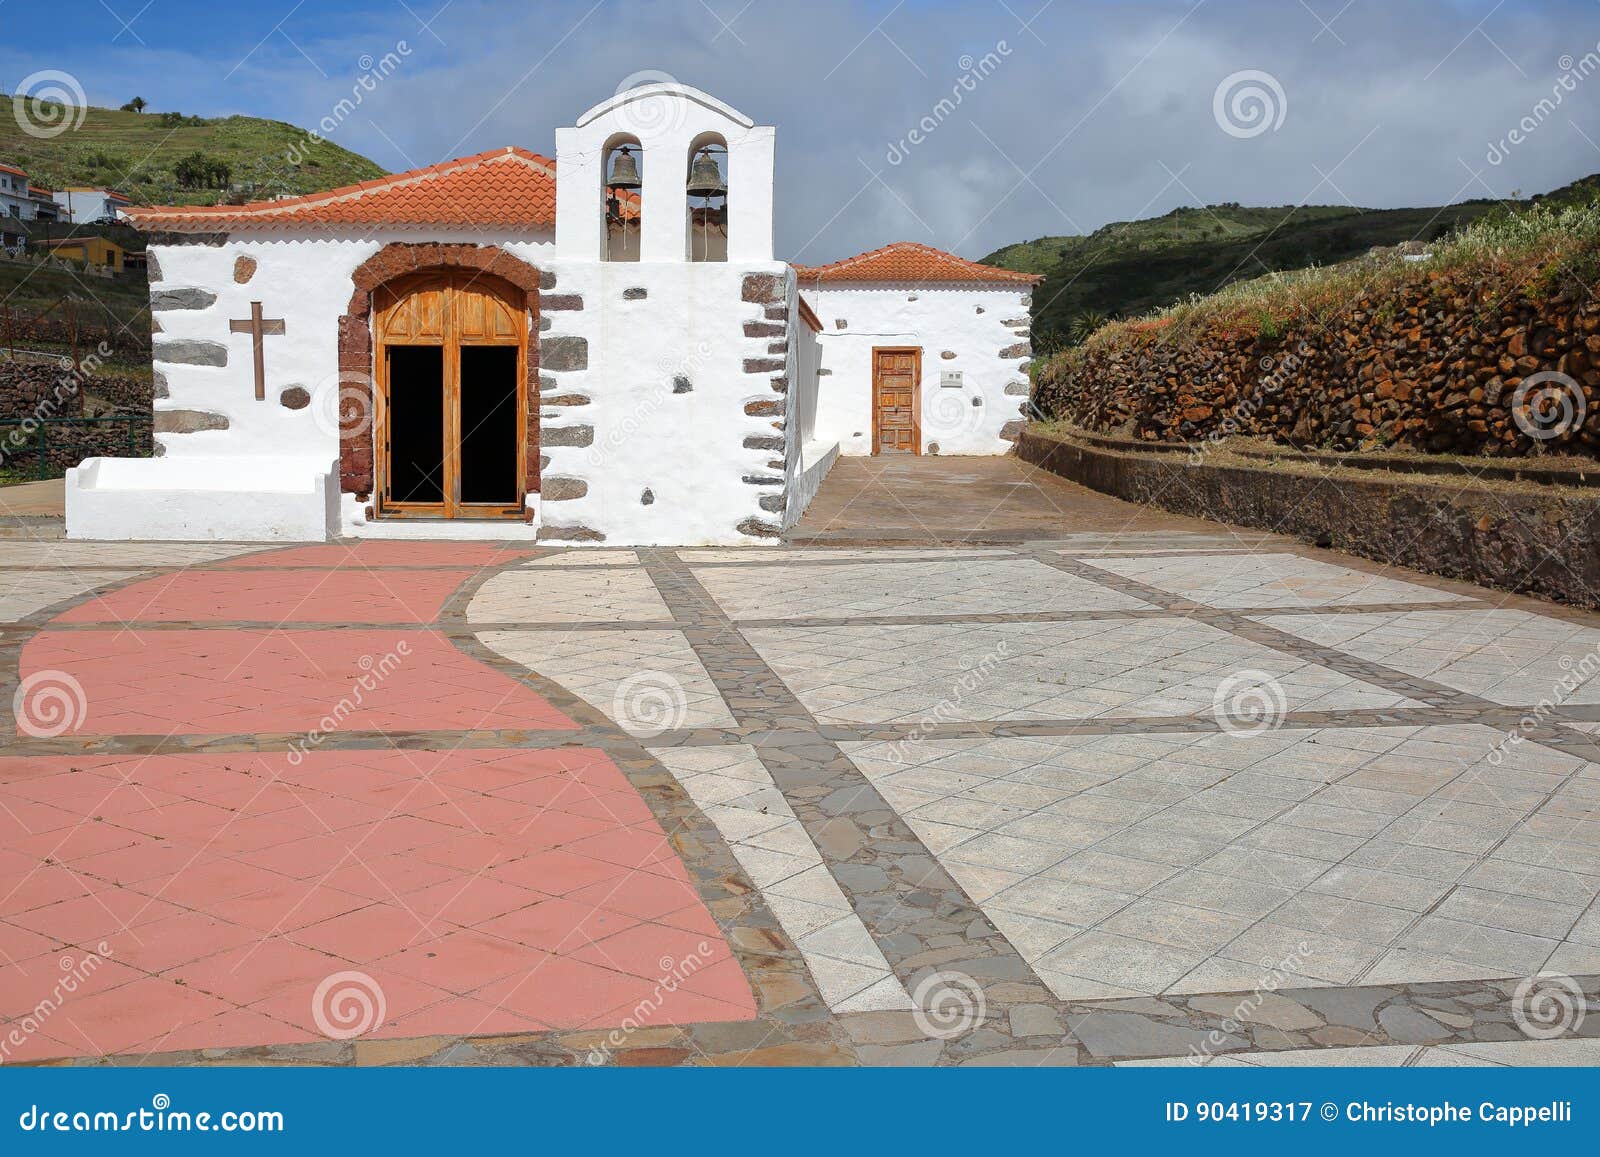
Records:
x=140, y=154
x=1132, y=267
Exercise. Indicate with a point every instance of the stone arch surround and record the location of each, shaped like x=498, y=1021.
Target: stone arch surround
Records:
x=356, y=405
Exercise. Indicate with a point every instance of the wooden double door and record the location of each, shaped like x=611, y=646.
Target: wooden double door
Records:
x=452, y=421
x=896, y=397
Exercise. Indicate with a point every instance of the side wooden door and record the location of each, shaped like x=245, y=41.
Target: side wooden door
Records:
x=896, y=394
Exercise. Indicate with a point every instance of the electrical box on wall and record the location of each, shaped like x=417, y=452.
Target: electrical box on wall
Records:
x=950, y=379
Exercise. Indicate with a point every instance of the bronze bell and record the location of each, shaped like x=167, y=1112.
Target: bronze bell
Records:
x=624, y=170
x=705, y=179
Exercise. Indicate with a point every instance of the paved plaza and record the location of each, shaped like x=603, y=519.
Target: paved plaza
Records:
x=1080, y=792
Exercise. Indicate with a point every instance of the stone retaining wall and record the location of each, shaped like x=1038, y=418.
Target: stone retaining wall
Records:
x=1434, y=363
x=1530, y=539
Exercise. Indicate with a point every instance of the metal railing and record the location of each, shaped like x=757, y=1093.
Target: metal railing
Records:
x=36, y=442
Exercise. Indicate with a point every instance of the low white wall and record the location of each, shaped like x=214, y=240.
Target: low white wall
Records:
x=977, y=324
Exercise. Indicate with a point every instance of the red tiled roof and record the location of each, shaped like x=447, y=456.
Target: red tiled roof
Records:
x=909, y=261
x=5, y=168
x=507, y=188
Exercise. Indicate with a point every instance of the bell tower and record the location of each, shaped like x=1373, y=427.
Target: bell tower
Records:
x=666, y=127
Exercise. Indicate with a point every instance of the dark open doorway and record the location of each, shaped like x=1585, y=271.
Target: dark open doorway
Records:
x=489, y=424
x=416, y=423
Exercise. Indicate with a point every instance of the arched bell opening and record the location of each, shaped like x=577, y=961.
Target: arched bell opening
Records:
x=706, y=218
x=622, y=177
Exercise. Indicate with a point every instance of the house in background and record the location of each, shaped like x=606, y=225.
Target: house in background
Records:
x=97, y=251
x=25, y=201
x=87, y=203
x=479, y=350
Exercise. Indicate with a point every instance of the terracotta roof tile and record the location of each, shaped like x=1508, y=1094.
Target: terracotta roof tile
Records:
x=506, y=188
x=909, y=261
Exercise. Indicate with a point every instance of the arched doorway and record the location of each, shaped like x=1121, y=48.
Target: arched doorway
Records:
x=451, y=369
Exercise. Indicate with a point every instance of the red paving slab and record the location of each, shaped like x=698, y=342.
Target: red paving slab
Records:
x=545, y=900
x=315, y=596
x=401, y=554
x=212, y=682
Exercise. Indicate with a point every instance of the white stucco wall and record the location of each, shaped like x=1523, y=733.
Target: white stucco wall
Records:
x=686, y=448
x=974, y=322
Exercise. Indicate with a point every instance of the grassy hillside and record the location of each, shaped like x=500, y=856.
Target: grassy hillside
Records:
x=1132, y=267
x=139, y=153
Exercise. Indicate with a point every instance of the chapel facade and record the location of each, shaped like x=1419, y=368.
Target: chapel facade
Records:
x=598, y=348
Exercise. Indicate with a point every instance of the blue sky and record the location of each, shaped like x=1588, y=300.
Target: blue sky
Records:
x=1090, y=113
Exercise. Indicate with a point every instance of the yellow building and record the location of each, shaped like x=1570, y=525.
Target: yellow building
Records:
x=88, y=251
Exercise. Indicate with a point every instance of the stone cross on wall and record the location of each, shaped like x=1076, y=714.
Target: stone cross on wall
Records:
x=258, y=327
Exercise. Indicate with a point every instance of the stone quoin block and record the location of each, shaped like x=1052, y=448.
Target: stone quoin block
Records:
x=756, y=528
x=568, y=436
x=295, y=398
x=762, y=365
x=569, y=534
x=778, y=347
x=764, y=329
x=764, y=442
x=1021, y=350
x=775, y=312
x=190, y=352
x=762, y=480
x=188, y=297
x=554, y=302
x=560, y=354
x=555, y=488
x=1012, y=430
x=244, y=268
x=152, y=267
x=547, y=279
x=158, y=381
x=565, y=400
x=764, y=408
x=1017, y=389
x=187, y=421
x=761, y=287
x=773, y=503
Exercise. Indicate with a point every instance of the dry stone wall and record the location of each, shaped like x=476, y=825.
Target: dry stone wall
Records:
x=1437, y=364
